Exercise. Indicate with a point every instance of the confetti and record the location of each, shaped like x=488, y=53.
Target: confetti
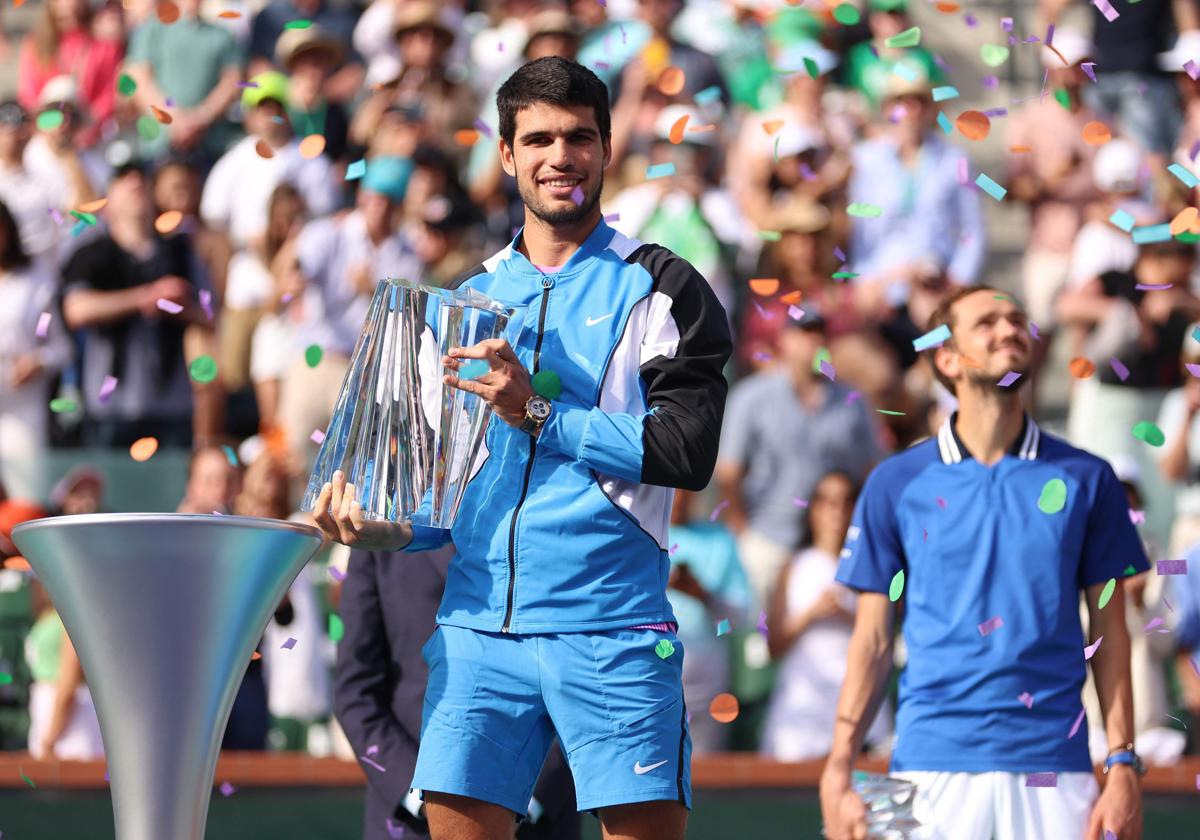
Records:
x=126, y=85
x=974, y=125
x=1193, y=369
x=1054, y=496
x=717, y=510
x=659, y=170
x=5, y=679
x=1090, y=650
x=1106, y=9
x=263, y=149
x=50, y=120
x=1075, y=726
x=1153, y=624
x=897, y=587
x=992, y=113
x=723, y=627
x=298, y=24
x=168, y=221
x=26, y=779
x=1122, y=220
x=664, y=649
x=317, y=437
x=336, y=573
x=1081, y=368
x=43, y=325
x=546, y=383
x=826, y=368
x=944, y=123
x=356, y=170
x=289, y=644
x=337, y=628
x=106, y=388
x=1189, y=180
x=864, y=211
x=1150, y=433
x=169, y=306
x=143, y=449
x=148, y=127
x=167, y=12
x=206, y=303
x=933, y=338
x=800, y=503
x=765, y=286
x=473, y=369
x=1191, y=69
x=230, y=455
x=1026, y=698
x=1008, y=379
x=770, y=235
x=1096, y=133
x=161, y=115
x=678, y=128
x=846, y=14
x=229, y=14
x=991, y=625
x=1041, y=780
x=577, y=195
x=941, y=94
x=613, y=217
x=1172, y=567
x=993, y=55
x=88, y=219
x=708, y=96
x=990, y=187
x=63, y=405
x=226, y=789
x=314, y=144
x=395, y=830
x=1119, y=368
x=724, y=708
x=907, y=38
x=889, y=412
x=203, y=369
x=1107, y=593
x=1088, y=69
x=313, y=355
x=1184, y=220
x=811, y=66
x=671, y=81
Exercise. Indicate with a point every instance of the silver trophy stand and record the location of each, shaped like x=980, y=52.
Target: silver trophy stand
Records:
x=165, y=611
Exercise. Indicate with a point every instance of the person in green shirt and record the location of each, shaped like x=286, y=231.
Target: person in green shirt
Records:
x=191, y=69
x=869, y=64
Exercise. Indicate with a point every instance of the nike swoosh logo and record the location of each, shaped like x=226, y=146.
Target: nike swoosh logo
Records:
x=640, y=770
x=591, y=322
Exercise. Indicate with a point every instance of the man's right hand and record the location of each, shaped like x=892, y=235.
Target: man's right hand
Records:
x=339, y=516
x=843, y=811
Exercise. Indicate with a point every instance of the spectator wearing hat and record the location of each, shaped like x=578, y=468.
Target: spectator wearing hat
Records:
x=784, y=428
x=871, y=65
x=196, y=66
x=335, y=17
x=21, y=191
x=441, y=240
x=310, y=56
x=911, y=174
x=340, y=261
x=79, y=492
x=1187, y=48
x=1052, y=173
x=28, y=361
x=71, y=39
x=68, y=174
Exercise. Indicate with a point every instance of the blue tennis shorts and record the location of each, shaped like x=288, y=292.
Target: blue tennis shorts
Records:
x=496, y=700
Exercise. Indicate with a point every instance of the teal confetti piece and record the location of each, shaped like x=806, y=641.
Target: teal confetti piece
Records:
x=1122, y=220
x=1151, y=233
x=1107, y=593
x=1189, y=180
x=230, y=455
x=941, y=94
x=897, y=587
x=904, y=71
x=944, y=122
x=932, y=338
x=473, y=369
x=356, y=170
x=723, y=627
x=659, y=170
x=990, y=187
x=708, y=96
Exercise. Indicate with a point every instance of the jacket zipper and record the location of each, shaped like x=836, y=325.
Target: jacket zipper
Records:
x=547, y=283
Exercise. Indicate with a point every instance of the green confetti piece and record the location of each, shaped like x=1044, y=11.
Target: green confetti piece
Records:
x=892, y=413
x=50, y=120
x=1149, y=432
x=148, y=128
x=822, y=355
x=864, y=211
x=313, y=354
x=993, y=55
x=1107, y=593
x=1129, y=570
x=664, y=649
x=1054, y=496
x=907, y=38
x=844, y=275
x=298, y=24
x=846, y=15
x=63, y=405
x=203, y=369
x=547, y=384
x=811, y=66
x=86, y=218
x=26, y=779
x=897, y=587
x=337, y=628
x=770, y=235
x=1063, y=98
x=5, y=679
x=126, y=85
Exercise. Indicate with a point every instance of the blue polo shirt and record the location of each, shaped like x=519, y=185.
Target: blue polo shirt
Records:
x=991, y=595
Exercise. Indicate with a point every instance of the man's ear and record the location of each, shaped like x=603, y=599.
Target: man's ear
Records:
x=506, y=158
x=948, y=361
x=606, y=145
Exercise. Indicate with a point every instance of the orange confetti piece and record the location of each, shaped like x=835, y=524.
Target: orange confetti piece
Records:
x=312, y=146
x=792, y=298
x=168, y=221
x=1081, y=368
x=466, y=137
x=1096, y=133
x=229, y=14
x=255, y=656
x=264, y=149
x=93, y=206
x=771, y=126
x=974, y=125
x=724, y=708
x=969, y=362
x=696, y=129
x=17, y=563
x=162, y=116
x=18, y=3
x=143, y=449
x=167, y=12
x=1184, y=220
x=1195, y=228
x=1020, y=150
x=676, y=133
x=671, y=81
x=764, y=286
x=947, y=8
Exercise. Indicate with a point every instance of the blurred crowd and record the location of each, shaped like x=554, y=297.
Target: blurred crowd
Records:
x=198, y=197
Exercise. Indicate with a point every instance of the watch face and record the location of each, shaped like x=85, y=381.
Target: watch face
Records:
x=539, y=408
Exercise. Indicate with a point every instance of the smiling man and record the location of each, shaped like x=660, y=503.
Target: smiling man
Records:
x=997, y=527
x=555, y=618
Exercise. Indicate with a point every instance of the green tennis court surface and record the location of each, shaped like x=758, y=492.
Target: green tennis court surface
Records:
x=336, y=814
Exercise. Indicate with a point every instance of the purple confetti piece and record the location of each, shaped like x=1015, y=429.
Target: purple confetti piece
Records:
x=970, y=20
x=247, y=84
x=991, y=82
x=106, y=388
x=289, y=644
x=1090, y=650
x=1033, y=331
x=1119, y=368
x=1075, y=725
x=373, y=750
x=206, y=303
x=996, y=112
x=762, y=623
x=827, y=369
x=226, y=789
x=806, y=172
x=577, y=195
x=964, y=175
x=760, y=356
x=853, y=397
x=991, y=626
x=317, y=436
x=1198, y=781
x=1050, y=35
x=484, y=128
x=1172, y=567
x=839, y=253
x=795, y=312
x=800, y=503
x=1152, y=624
x=942, y=64
x=1194, y=370
x=1154, y=287
x=169, y=306
x=717, y=510
x=1192, y=152
x=1012, y=42
x=374, y=764
x=1041, y=780
x=1110, y=835
x=287, y=298
x=1026, y=698
x=673, y=548
x=1008, y=379
x=1137, y=517
x=1191, y=69
x=762, y=313
x=1031, y=39
x=941, y=502
x=43, y=325
x=874, y=51
x=337, y=574
x=169, y=103
x=1088, y=70
x=1006, y=23
x=613, y=217
x=56, y=216
x=395, y=830
x=1106, y=9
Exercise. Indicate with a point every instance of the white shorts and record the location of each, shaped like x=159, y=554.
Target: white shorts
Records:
x=983, y=806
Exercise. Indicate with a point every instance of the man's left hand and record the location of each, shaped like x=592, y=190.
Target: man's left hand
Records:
x=506, y=386
x=1119, y=808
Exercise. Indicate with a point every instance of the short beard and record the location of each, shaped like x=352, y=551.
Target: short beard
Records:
x=566, y=215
